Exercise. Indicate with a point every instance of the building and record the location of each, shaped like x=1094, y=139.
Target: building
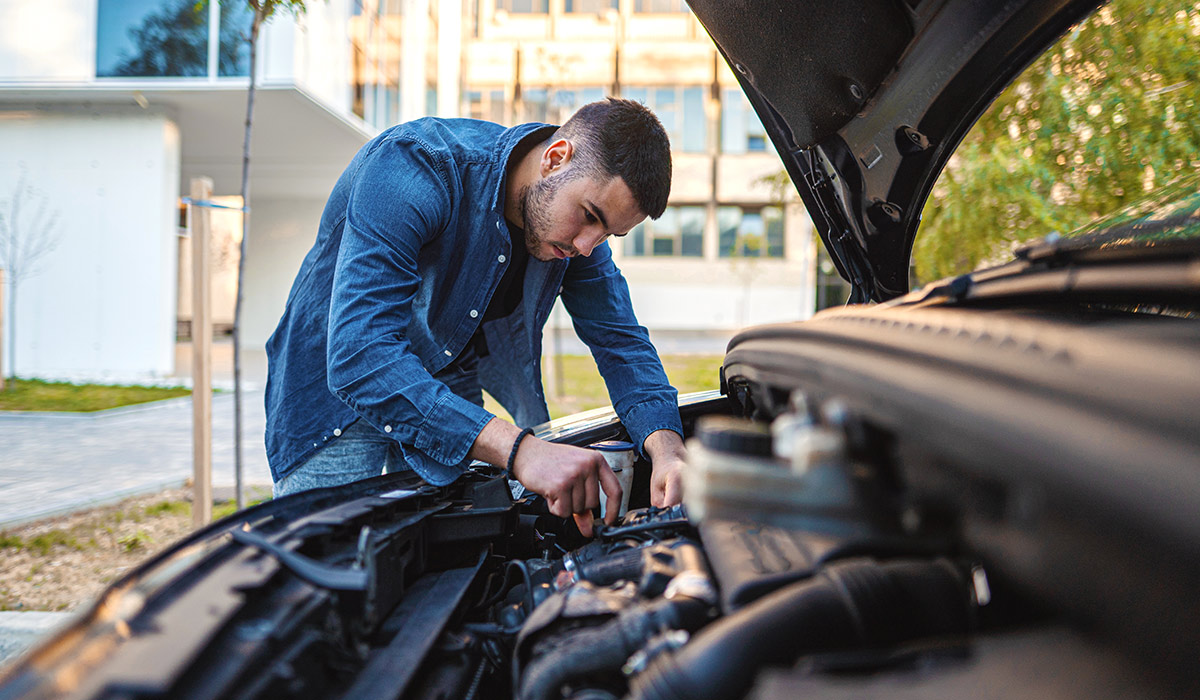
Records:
x=108, y=109
x=729, y=251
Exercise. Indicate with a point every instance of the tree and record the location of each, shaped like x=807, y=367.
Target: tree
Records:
x=1104, y=116
x=28, y=233
x=264, y=11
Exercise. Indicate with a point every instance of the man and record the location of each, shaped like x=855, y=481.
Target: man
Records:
x=439, y=256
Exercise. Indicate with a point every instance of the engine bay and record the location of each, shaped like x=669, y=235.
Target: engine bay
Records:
x=802, y=562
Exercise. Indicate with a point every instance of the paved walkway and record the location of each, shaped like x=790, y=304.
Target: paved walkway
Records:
x=57, y=463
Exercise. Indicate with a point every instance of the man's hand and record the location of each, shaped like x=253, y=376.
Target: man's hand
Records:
x=569, y=478
x=669, y=458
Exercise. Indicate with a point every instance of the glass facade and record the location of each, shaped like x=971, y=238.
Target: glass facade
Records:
x=485, y=104
x=749, y=232
x=555, y=105
x=524, y=6
x=171, y=39
x=679, y=232
x=660, y=6
x=741, y=130
x=594, y=6
x=151, y=38
x=375, y=57
x=234, y=54
x=681, y=111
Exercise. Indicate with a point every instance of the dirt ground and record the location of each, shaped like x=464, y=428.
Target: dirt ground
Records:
x=64, y=562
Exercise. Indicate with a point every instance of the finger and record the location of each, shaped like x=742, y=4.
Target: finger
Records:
x=612, y=489
x=657, y=491
x=557, y=506
x=591, y=487
x=673, y=493
x=579, y=496
x=584, y=522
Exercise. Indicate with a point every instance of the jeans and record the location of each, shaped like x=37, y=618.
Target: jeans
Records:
x=362, y=451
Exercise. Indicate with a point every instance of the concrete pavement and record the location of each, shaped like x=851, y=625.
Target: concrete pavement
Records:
x=59, y=462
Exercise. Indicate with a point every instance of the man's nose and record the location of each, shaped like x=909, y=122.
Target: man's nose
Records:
x=587, y=241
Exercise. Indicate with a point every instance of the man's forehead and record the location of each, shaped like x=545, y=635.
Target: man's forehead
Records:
x=613, y=196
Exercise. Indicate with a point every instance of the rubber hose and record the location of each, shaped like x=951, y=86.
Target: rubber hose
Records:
x=855, y=604
x=625, y=565
x=607, y=647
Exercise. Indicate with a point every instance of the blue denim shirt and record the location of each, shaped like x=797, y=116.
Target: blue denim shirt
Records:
x=411, y=246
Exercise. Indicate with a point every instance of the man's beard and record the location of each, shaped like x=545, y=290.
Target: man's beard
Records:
x=535, y=203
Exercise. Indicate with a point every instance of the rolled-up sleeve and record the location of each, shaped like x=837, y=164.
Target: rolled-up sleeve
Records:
x=372, y=364
x=597, y=297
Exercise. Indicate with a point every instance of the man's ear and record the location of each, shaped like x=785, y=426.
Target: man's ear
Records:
x=556, y=156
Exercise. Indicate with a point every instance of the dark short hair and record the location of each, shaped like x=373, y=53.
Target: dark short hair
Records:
x=615, y=137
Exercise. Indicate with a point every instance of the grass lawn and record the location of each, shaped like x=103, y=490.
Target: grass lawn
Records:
x=583, y=389
x=37, y=395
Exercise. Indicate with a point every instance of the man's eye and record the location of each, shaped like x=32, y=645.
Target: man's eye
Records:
x=591, y=218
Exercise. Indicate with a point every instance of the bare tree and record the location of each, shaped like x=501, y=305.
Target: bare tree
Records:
x=28, y=233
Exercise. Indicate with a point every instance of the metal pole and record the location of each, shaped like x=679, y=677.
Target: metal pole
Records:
x=200, y=223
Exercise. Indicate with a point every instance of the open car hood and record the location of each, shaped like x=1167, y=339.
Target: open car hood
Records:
x=865, y=101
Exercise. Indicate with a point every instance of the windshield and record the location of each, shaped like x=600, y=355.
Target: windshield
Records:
x=1100, y=121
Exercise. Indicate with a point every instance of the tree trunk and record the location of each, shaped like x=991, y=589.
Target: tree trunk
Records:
x=237, y=308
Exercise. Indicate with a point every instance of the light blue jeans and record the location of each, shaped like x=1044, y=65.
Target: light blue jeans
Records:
x=362, y=451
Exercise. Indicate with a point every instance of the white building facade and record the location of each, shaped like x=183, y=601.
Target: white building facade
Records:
x=108, y=108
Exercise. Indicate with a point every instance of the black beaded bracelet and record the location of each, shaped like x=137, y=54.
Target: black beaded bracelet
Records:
x=512, y=456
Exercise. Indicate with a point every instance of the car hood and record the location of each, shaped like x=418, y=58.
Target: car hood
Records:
x=865, y=101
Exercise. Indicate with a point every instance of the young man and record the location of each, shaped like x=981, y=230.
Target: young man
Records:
x=439, y=256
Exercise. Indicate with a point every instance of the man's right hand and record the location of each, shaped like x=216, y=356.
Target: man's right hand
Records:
x=569, y=478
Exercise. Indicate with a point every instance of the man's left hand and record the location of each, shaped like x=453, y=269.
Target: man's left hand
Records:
x=668, y=457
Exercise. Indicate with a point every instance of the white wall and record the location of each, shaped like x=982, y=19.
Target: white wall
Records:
x=47, y=40
x=316, y=54
x=103, y=305
x=281, y=232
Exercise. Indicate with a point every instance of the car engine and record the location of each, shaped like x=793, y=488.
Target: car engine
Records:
x=804, y=561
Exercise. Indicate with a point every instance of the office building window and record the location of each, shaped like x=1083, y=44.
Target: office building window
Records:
x=660, y=6
x=484, y=104
x=741, y=130
x=524, y=7
x=555, y=106
x=561, y=104
x=750, y=232
x=679, y=232
x=533, y=105
x=594, y=6
x=234, y=53
x=152, y=38
x=145, y=38
x=681, y=111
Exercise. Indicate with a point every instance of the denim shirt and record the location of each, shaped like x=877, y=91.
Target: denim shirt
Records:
x=411, y=246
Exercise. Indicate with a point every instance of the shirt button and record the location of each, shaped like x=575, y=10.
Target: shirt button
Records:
x=474, y=313
x=500, y=258
x=337, y=432
x=387, y=428
x=498, y=226
x=447, y=353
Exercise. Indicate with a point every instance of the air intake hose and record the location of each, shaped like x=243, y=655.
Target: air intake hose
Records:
x=849, y=605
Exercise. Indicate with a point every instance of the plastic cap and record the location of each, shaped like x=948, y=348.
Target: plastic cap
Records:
x=734, y=435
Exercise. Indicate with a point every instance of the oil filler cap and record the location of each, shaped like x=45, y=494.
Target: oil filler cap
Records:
x=737, y=436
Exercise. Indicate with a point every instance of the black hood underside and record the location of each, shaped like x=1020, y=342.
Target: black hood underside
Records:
x=865, y=101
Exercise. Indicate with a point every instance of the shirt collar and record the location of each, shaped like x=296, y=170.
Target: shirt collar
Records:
x=505, y=145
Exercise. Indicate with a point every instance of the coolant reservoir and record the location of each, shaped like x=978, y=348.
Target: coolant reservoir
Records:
x=737, y=468
x=620, y=457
